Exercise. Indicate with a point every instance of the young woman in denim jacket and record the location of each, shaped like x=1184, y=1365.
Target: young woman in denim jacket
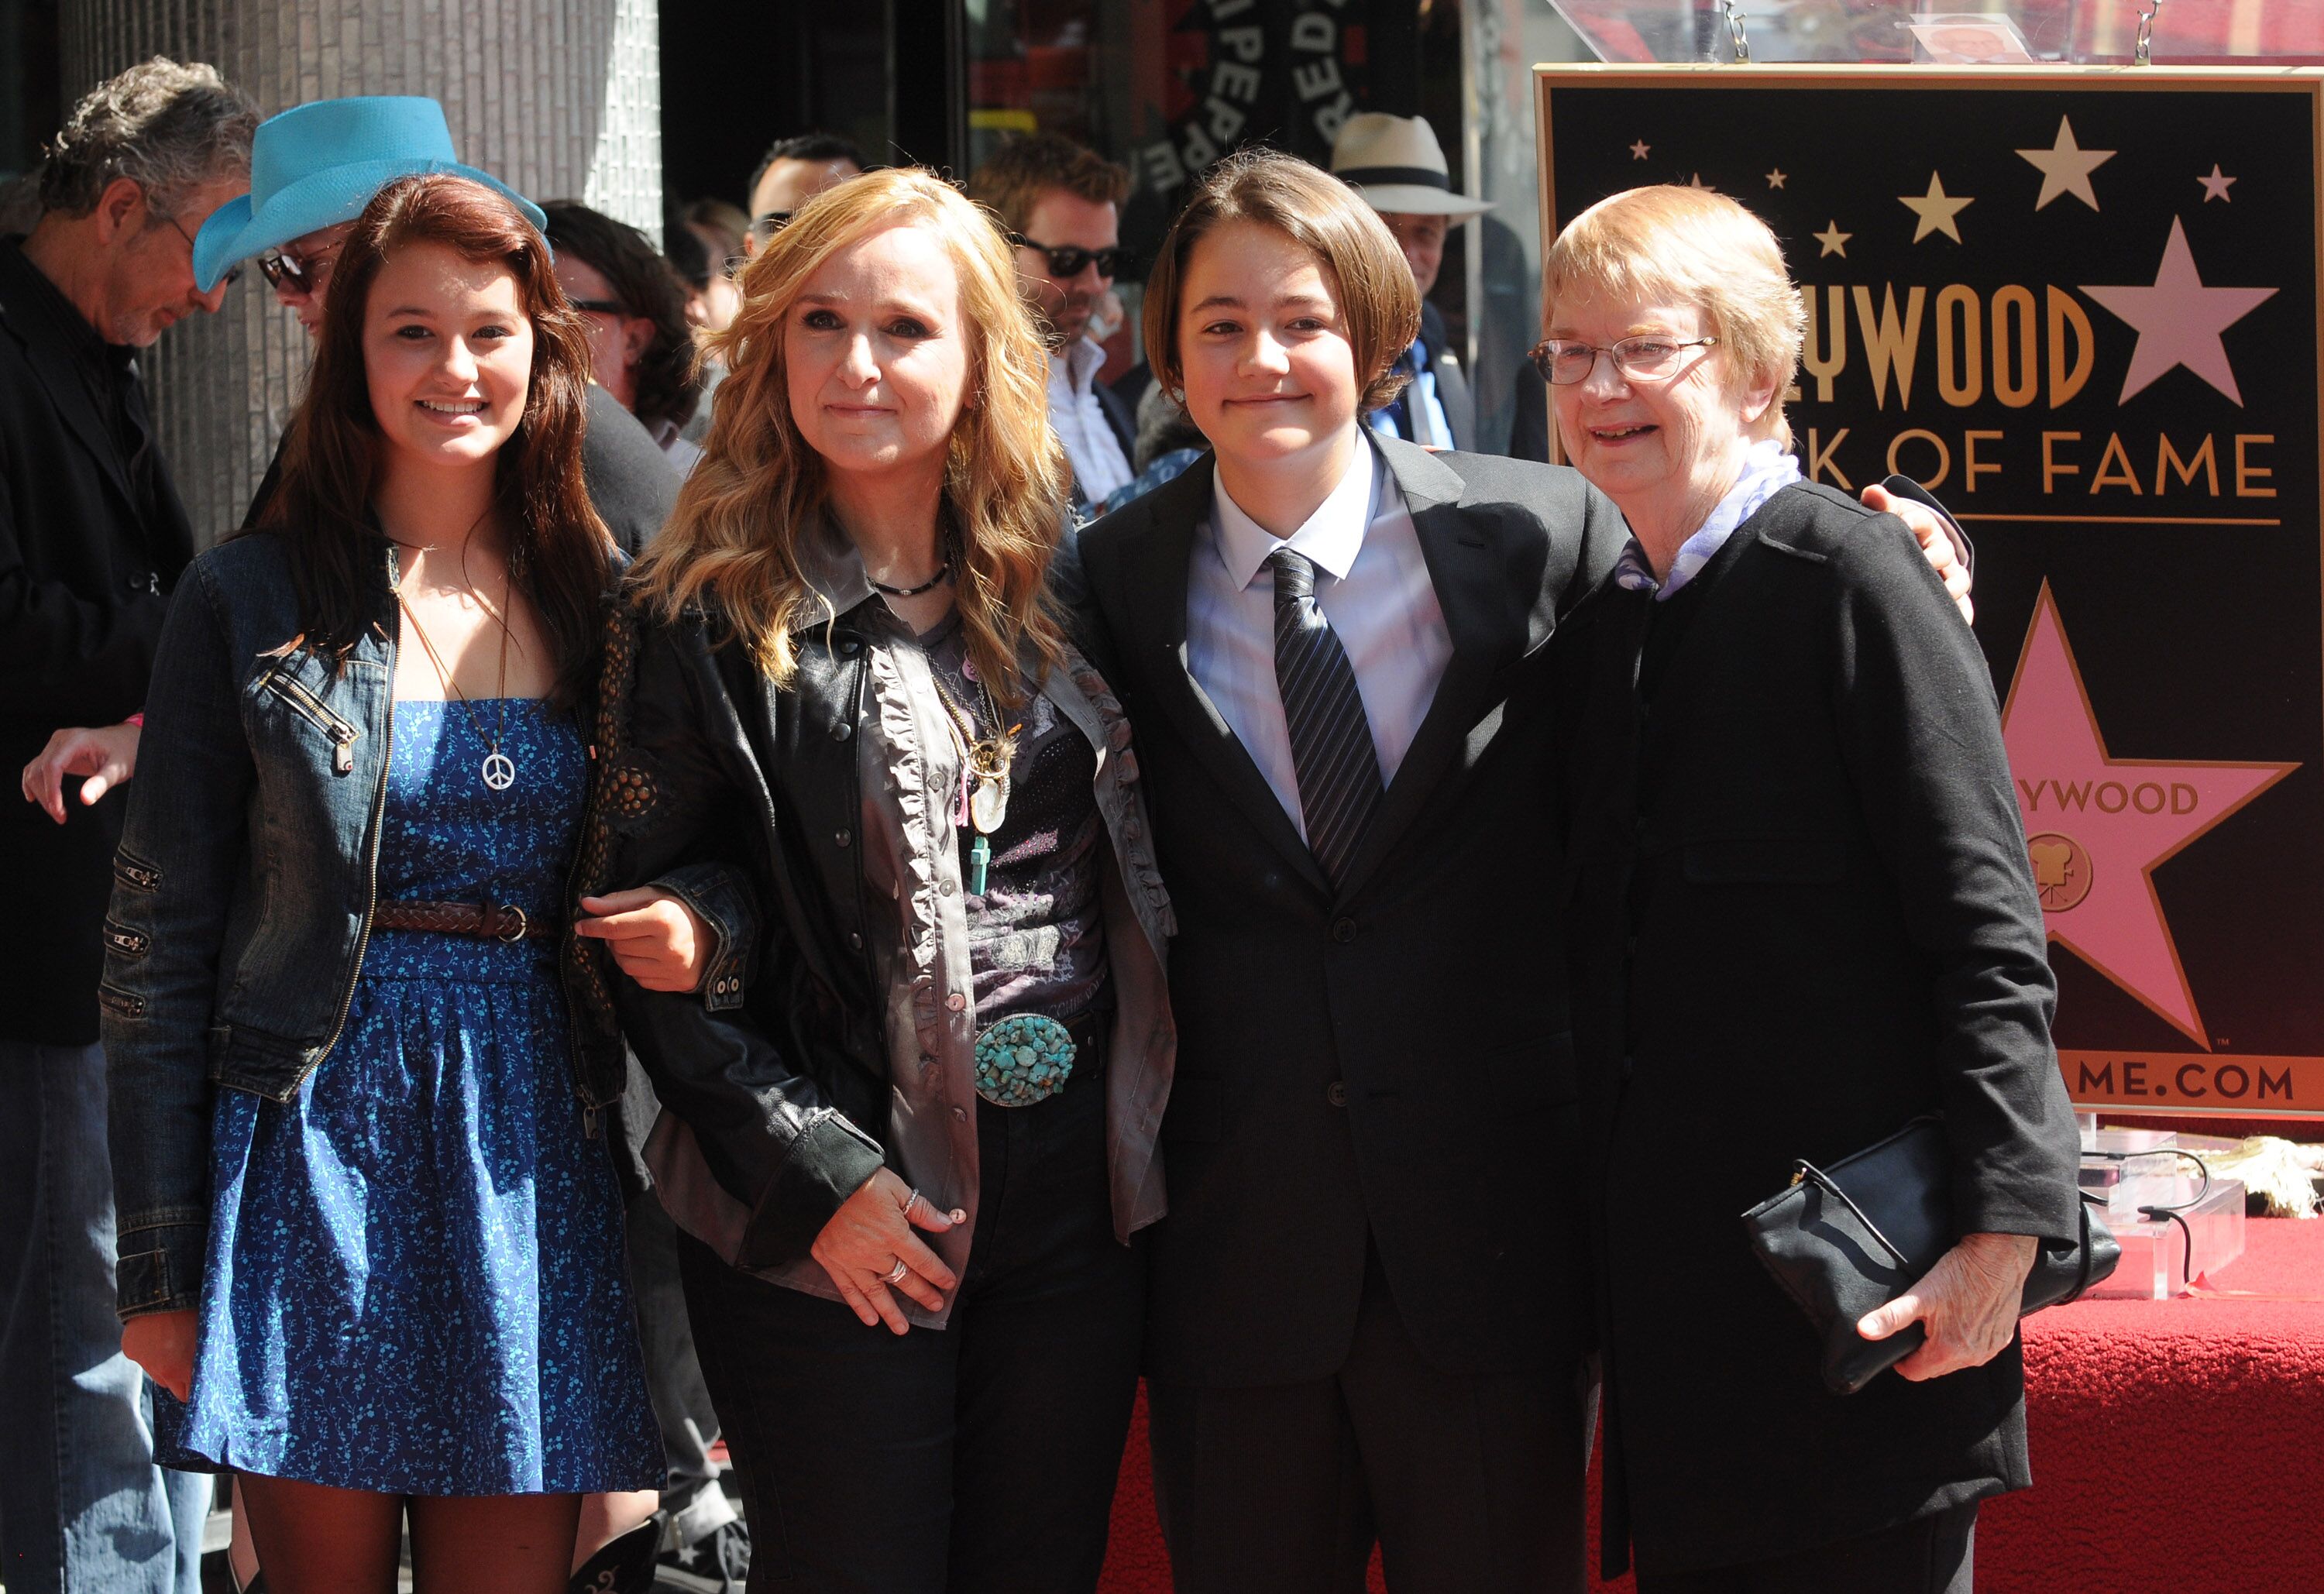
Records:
x=911, y=1132
x=370, y=1232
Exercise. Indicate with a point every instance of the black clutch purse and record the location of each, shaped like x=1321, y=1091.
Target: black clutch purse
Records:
x=1846, y=1240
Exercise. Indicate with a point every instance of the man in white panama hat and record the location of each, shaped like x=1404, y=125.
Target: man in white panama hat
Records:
x=1396, y=164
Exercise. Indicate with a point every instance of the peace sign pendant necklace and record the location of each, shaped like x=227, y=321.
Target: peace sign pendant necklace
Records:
x=498, y=769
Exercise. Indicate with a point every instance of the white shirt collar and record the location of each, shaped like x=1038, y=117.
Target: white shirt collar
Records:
x=1078, y=362
x=1331, y=537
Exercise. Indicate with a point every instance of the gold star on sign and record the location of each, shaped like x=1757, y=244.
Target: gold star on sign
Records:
x=1775, y=178
x=2066, y=166
x=1833, y=240
x=1936, y=210
x=1638, y=150
x=2215, y=187
x=1696, y=182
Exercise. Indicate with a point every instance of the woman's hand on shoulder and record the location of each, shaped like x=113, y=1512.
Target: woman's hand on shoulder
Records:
x=868, y=1247
x=106, y=754
x=656, y=939
x=1929, y=530
x=1968, y=1301
x=163, y=1344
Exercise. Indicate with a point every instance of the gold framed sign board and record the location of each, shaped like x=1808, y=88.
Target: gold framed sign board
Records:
x=2081, y=306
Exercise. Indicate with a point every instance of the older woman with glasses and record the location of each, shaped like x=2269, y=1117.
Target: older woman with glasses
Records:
x=1805, y=916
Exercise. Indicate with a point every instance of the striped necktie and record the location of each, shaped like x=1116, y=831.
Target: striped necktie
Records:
x=1331, y=741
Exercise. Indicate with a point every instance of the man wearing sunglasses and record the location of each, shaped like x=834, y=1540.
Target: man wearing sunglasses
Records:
x=1061, y=208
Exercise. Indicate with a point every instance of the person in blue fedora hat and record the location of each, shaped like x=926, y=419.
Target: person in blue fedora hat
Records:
x=314, y=167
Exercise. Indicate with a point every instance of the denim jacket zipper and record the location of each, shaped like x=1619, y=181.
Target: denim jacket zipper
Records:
x=378, y=825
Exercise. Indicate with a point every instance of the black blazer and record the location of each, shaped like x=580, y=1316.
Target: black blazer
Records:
x=1805, y=914
x=1387, y=1065
x=83, y=581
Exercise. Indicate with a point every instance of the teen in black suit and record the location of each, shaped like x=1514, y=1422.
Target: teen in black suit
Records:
x=1365, y=1318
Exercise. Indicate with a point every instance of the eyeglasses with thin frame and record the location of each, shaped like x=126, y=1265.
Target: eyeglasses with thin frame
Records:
x=233, y=272
x=300, y=272
x=1563, y=361
x=1066, y=261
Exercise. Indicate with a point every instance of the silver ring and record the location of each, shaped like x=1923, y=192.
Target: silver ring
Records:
x=897, y=1277
x=911, y=1202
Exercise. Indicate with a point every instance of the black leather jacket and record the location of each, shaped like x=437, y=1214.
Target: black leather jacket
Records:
x=777, y=1072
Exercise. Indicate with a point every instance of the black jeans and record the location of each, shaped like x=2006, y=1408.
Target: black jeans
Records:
x=980, y=1458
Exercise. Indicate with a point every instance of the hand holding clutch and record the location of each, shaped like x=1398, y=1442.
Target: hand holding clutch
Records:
x=1968, y=1303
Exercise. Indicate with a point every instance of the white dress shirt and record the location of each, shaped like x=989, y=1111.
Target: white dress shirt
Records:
x=1099, y=466
x=1422, y=391
x=1371, y=581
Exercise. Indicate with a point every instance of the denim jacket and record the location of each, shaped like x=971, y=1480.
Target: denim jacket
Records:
x=243, y=890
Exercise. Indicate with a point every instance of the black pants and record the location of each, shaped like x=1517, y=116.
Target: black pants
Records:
x=1932, y=1554
x=1469, y=1484
x=977, y=1459
x=681, y=1400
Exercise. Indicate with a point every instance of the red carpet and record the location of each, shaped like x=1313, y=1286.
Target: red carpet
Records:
x=2178, y=1445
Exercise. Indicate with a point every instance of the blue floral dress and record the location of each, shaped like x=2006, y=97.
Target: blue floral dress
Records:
x=415, y=1277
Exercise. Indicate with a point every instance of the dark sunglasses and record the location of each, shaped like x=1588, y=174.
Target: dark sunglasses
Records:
x=1068, y=261
x=301, y=273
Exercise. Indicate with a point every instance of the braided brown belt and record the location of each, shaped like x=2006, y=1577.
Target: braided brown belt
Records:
x=491, y=921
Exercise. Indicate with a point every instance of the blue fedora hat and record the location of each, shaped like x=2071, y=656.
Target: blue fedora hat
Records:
x=316, y=165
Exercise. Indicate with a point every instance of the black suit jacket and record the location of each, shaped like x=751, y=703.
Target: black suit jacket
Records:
x=1388, y=1064
x=83, y=581
x=1804, y=915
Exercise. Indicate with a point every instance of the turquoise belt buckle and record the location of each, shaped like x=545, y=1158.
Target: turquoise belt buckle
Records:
x=1023, y=1059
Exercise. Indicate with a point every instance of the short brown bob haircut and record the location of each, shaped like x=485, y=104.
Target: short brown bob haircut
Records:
x=1331, y=221
x=1012, y=180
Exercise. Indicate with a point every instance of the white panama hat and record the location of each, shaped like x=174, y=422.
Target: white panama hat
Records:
x=1398, y=167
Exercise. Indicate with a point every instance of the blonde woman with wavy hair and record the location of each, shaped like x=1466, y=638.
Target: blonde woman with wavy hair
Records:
x=910, y=1136
x=761, y=482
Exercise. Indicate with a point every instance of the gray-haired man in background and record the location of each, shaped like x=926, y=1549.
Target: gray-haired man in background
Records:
x=92, y=537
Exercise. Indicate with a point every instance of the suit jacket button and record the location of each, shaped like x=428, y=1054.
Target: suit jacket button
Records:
x=854, y=941
x=1336, y=1092
x=844, y=837
x=1344, y=930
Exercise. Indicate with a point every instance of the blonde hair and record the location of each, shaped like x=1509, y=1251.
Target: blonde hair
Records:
x=1689, y=245
x=1325, y=216
x=759, y=488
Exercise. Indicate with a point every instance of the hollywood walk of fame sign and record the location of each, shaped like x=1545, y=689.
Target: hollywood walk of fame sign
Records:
x=2081, y=305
